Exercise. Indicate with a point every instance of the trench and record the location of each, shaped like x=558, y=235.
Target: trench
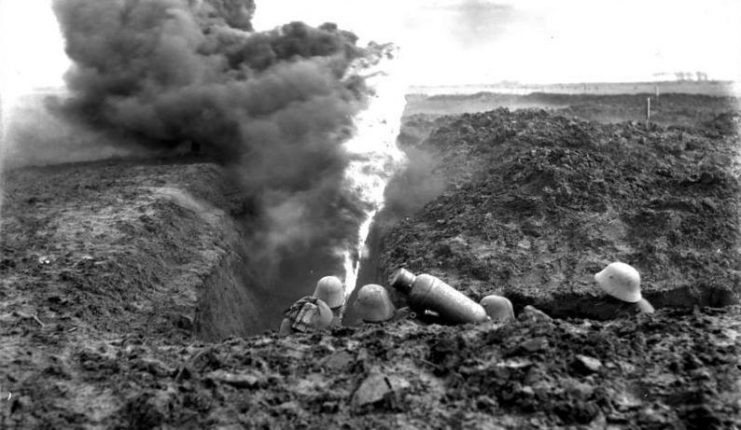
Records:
x=564, y=305
x=228, y=305
x=567, y=305
x=242, y=295
x=600, y=307
x=225, y=306
x=235, y=300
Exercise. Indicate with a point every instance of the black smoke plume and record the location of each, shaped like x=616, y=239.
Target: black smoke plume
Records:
x=274, y=107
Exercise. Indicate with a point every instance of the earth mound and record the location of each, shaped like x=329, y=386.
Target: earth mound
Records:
x=536, y=203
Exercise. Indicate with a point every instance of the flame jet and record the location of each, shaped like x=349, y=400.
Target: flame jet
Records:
x=375, y=155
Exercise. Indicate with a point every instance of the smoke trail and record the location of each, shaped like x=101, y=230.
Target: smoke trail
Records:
x=275, y=107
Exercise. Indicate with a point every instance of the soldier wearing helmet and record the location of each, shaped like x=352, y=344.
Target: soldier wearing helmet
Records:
x=623, y=282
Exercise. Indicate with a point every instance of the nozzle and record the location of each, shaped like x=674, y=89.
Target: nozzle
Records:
x=373, y=304
x=402, y=280
x=498, y=308
x=331, y=291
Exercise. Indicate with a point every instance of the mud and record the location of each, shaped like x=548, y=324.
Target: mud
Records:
x=536, y=204
x=123, y=305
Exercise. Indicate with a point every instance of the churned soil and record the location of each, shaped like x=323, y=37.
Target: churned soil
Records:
x=123, y=306
x=534, y=204
x=670, y=371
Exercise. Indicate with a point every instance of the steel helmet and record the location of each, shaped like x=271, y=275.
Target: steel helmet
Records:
x=331, y=291
x=498, y=308
x=373, y=304
x=621, y=281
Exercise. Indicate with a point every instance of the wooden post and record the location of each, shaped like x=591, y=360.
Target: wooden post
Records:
x=648, y=111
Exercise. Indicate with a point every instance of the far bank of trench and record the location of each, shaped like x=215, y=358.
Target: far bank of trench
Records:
x=533, y=204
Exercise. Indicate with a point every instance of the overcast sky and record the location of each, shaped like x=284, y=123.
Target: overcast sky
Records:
x=464, y=41
x=480, y=41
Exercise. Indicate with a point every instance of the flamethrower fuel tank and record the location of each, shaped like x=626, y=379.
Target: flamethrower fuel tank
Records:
x=426, y=292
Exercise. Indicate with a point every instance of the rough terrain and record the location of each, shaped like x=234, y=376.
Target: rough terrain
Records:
x=120, y=281
x=535, y=204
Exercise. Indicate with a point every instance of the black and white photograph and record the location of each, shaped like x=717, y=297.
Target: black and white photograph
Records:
x=355, y=214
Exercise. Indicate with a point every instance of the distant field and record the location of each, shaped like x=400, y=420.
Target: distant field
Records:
x=667, y=109
x=712, y=88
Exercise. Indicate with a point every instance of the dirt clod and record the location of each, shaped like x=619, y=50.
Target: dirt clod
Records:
x=587, y=364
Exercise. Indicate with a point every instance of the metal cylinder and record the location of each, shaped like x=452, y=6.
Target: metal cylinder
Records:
x=402, y=280
x=428, y=293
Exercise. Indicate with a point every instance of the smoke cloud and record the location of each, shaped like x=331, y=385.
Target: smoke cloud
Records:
x=274, y=107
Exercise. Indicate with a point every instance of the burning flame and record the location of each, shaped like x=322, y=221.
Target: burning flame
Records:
x=374, y=154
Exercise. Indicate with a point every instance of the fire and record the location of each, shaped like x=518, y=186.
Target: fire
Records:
x=375, y=156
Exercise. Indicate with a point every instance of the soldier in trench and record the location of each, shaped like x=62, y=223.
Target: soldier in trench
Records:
x=323, y=309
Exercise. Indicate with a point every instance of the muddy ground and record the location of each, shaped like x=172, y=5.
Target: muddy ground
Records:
x=122, y=303
x=666, y=109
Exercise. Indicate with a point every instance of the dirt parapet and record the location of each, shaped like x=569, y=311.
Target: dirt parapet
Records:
x=124, y=248
x=535, y=204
